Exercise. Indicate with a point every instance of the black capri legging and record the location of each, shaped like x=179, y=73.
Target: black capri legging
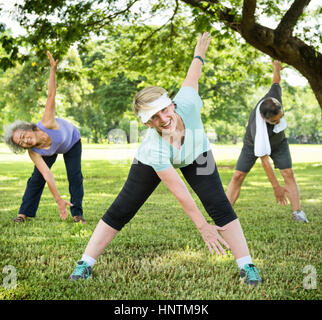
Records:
x=202, y=175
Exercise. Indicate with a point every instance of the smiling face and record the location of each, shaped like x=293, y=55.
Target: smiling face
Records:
x=164, y=121
x=275, y=119
x=24, y=138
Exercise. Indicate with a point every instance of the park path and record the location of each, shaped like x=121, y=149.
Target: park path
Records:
x=300, y=153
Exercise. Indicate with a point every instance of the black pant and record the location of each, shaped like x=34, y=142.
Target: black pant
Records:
x=202, y=175
x=36, y=183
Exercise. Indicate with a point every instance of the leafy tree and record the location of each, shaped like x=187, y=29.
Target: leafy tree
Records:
x=302, y=115
x=24, y=89
x=59, y=24
x=96, y=84
x=102, y=108
x=285, y=43
x=229, y=75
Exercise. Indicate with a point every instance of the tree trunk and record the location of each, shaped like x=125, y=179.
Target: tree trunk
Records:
x=292, y=51
x=278, y=44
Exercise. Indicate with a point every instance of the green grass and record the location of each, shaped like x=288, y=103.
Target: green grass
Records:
x=159, y=254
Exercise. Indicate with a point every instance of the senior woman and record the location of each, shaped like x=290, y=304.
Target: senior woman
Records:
x=44, y=141
x=175, y=139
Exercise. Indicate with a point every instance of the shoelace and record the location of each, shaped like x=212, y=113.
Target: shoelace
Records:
x=251, y=272
x=80, y=269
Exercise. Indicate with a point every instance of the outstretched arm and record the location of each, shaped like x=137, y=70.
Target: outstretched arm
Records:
x=194, y=71
x=174, y=183
x=48, y=118
x=49, y=178
x=279, y=191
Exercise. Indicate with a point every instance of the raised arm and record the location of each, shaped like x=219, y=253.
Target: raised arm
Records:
x=209, y=233
x=194, y=71
x=277, y=67
x=48, y=118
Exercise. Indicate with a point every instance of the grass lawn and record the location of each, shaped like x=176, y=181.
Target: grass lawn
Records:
x=159, y=254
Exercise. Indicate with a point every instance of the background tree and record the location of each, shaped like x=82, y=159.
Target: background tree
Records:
x=229, y=76
x=24, y=89
x=302, y=115
x=283, y=43
x=102, y=109
x=98, y=78
x=59, y=24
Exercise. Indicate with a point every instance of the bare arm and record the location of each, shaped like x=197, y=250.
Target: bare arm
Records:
x=277, y=67
x=48, y=118
x=279, y=191
x=49, y=178
x=174, y=183
x=194, y=71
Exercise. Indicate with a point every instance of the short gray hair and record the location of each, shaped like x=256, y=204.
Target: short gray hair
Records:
x=10, y=129
x=270, y=107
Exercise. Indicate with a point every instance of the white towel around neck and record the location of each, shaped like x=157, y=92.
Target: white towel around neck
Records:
x=262, y=146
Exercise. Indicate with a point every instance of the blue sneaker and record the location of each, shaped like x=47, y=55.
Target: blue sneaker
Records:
x=82, y=271
x=249, y=275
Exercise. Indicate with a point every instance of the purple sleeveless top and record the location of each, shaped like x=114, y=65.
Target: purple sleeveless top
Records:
x=62, y=140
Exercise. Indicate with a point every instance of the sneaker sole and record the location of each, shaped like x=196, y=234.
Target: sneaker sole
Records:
x=251, y=283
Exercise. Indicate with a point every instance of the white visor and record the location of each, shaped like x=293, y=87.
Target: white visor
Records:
x=156, y=106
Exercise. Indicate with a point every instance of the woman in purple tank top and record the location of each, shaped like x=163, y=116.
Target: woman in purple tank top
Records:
x=44, y=141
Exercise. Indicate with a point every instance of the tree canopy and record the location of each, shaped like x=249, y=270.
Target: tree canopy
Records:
x=60, y=24
x=108, y=50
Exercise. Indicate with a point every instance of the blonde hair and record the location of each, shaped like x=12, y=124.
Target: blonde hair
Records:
x=145, y=96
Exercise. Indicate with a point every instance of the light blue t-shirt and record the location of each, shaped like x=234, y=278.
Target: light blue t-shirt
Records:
x=158, y=153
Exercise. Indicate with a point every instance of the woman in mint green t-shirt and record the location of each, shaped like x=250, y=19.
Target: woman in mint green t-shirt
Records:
x=175, y=139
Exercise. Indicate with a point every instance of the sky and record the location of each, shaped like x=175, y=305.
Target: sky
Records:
x=292, y=76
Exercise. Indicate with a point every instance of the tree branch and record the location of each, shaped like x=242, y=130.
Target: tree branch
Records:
x=285, y=28
x=172, y=25
x=106, y=20
x=225, y=14
x=141, y=44
x=278, y=43
x=248, y=17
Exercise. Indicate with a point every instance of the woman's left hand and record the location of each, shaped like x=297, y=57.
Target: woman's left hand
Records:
x=53, y=63
x=202, y=45
x=212, y=238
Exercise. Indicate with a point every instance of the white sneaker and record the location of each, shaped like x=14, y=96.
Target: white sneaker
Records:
x=300, y=216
